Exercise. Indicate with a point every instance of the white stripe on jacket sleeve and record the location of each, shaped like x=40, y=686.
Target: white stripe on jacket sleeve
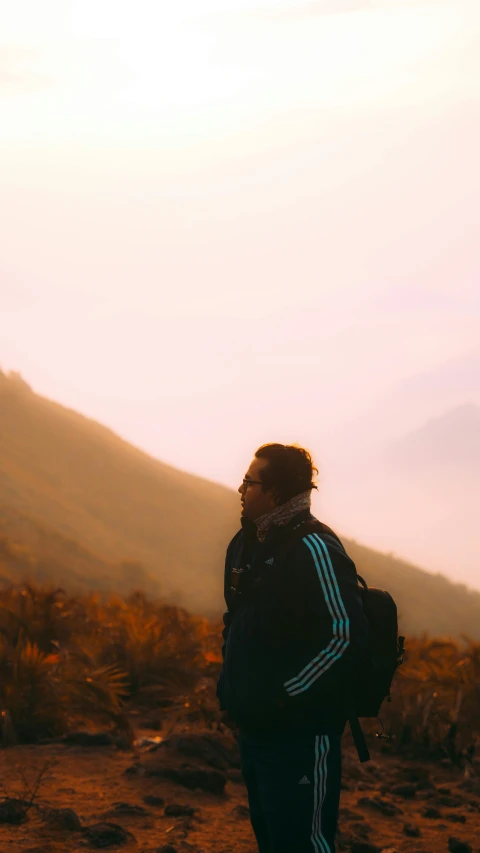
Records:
x=340, y=621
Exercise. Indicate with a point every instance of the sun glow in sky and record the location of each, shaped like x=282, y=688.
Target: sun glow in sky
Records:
x=114, y=69
x=208, y=202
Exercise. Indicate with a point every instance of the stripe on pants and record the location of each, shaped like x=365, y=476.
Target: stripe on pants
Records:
x=322, y=746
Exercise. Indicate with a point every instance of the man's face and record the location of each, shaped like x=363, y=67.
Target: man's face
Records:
x=255, y=502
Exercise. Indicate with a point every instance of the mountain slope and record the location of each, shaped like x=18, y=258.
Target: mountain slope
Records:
x=30, y=550
x=82, y=506
x=427, y=603
x=80, y=479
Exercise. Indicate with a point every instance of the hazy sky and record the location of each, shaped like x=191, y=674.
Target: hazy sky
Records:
x=225, y=222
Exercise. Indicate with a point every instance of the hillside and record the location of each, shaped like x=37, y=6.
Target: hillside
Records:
x=79, y=479
x=82, y=506
x=427, y=603
x=30, y=550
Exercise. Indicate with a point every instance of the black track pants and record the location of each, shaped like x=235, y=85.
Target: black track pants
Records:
x=293, y=784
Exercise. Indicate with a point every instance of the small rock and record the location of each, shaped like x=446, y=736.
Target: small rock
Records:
x=432, y=813
x=364, y=847
x=456, y=818
x=386, y=808
x=408, y=791
x=425, y=785
x=426, y=795
x=451, y=801
x=361, y=829
x=457, y=846
x=416, y=774
x=411, y=830
x=107, y=834
x=348, y=814
x=153, y=800
x=166, y=848
x=13, y=811
x=136, y=769
x=241, y=812
x=214, y=749
x=88, y=739
x=128, y=810
x=177, y=810
x=191, y=777
x=64, y=819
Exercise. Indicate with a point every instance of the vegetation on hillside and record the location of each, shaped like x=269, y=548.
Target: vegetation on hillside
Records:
x=67, y=661
x=85, y=660
x=436, y=699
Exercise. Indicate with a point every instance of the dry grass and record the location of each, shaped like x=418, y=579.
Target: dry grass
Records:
x=89, y=659
x=436, y=699
x=69, y=660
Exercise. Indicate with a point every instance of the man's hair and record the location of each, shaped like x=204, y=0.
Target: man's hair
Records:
x=289, y=472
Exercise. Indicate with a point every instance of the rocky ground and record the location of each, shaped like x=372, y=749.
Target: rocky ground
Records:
x=186, y=795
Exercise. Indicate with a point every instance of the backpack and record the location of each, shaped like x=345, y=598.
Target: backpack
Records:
x=384, y=653
x=374, y=673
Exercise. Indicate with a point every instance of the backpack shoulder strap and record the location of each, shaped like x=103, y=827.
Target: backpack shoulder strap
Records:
x=304, y=528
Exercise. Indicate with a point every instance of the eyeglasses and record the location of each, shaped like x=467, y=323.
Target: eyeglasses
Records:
x=246, y=483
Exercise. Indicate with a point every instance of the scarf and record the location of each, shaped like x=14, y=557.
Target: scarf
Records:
x=282, y=514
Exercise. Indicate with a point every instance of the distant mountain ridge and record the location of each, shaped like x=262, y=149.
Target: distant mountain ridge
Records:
x=418, y=493
x=80, y=505
x=451, y=440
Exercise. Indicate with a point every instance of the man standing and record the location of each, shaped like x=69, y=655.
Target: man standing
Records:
x=294, y=628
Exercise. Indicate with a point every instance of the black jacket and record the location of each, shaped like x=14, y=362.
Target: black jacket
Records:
x=293, y=634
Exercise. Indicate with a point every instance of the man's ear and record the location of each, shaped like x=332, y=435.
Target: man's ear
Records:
x=275, y=497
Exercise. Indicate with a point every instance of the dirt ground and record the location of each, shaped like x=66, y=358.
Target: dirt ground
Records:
x=91, y=780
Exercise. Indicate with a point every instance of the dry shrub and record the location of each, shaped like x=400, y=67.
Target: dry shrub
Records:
x=435, y=707
x=19, y=794
x=68, y=659
x=87, y=658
